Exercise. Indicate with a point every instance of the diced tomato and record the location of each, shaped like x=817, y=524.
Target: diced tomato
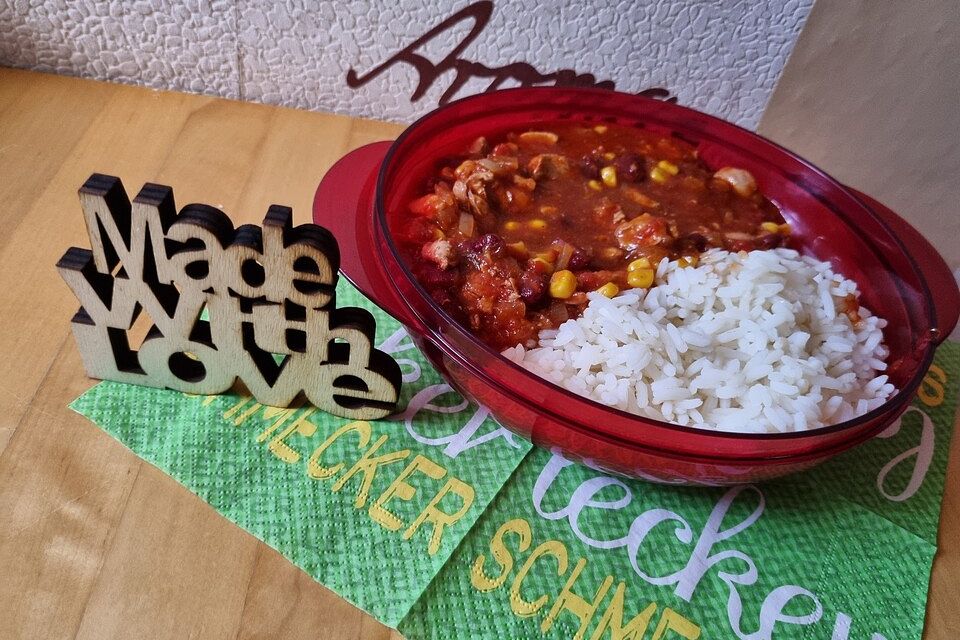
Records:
x=852, y=308
x=425, y=206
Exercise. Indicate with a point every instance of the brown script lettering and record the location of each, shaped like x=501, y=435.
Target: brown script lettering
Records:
x=465, y=70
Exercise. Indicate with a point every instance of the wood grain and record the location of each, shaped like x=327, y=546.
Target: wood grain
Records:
x=943, y=604
x=94, y=543
x=64, y=490
x=279, y=606
x=50, y=211
x=29, y=154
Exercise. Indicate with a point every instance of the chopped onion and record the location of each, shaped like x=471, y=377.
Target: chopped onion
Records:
x=498, y=165
x=563, y=257
x=539, y=137
x=479, y=146
x=466, y=224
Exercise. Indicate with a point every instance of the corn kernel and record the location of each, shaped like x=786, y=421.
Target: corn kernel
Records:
x=785, y=229
x=669, y=167
x=511, y=225
x=639, y=263
x=609, y=290
x=600, y=128
x=609, y=176
x=688, y=261
x=595, y=185
x=548, y=210
x=563, y=284
x=659, y=175
x=640, y=278
x=770, y=227
x=550, y=255
x=611, y=253
x=537, y=224
x=518, y=250
x=609, y=155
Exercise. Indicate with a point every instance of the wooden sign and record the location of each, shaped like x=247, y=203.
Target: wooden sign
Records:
x=268, y=294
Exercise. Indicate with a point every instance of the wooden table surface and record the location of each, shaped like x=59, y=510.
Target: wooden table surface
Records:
x=95, y=543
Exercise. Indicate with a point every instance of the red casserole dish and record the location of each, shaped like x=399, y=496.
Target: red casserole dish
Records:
x=361, y=196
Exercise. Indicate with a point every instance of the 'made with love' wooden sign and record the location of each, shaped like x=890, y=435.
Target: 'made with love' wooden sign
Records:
x=269, y=294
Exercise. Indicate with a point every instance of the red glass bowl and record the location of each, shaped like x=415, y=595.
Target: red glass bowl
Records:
x=362, y=195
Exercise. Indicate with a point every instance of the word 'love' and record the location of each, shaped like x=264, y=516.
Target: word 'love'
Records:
x=269, y=294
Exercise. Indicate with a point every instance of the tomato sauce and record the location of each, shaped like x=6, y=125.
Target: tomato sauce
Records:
x=510, y=236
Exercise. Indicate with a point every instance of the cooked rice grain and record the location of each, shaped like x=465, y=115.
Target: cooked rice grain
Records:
x=752, y=343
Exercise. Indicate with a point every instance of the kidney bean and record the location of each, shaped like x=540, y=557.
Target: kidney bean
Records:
x=589, y=167
x=479, y=244
x=579, y=260
x=692, y=241
x=478, y=251
x=433, y=277
x=492, y=243
x=533, y=285
x=630, y=167
x=469, y=246
x=769, y=241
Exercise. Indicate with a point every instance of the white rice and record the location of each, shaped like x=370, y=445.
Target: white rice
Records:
x=746, y=342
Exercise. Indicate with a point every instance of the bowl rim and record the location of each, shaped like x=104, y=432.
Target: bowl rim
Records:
x=902, y=396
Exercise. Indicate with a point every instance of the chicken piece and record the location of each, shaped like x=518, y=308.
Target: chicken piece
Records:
x=741, y=180
x=526, y=183
x=499, y=165
x=439, y=252
x=644, y=230
x=548, y=165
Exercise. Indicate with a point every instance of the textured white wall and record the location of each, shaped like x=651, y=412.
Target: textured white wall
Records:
x=723, y=56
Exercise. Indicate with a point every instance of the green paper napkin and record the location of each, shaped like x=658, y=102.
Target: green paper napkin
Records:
x=440, y=523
